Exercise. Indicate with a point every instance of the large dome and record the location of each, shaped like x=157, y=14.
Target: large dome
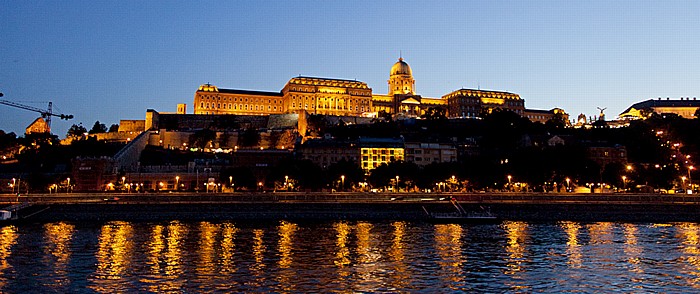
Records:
x=401, y=68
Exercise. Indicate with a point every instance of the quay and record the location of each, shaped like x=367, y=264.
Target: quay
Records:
x=313, y=206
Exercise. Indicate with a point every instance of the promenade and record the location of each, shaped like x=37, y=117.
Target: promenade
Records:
x=350, y=206
x=351, y=197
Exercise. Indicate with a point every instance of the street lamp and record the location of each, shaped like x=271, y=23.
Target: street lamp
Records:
x=690, y=179
x=14, y=181
x=67, y=189
x=629, y=167
x=230, y=182
x=624, y=182
x=397, y=184
x=177, y=183
x=342, y=179
x=683, y=178
x=567, y=183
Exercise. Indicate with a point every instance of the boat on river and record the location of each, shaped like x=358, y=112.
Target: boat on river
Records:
x=461, y=215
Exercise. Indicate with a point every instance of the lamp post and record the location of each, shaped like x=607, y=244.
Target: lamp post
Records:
x=567, y=184
x=177, y=183
x=683, y=178
x=230, y=182
x=67, y=189
x=624, y=182
x=397, y=184
x=690, y=179
x=286, y=183
x=14, y=182
x=342, y=180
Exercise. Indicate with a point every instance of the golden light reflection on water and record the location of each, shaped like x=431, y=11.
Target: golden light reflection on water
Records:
x=367, y=258
x=207, y=250
x=57, y=251
x=632, y=249
x=516, y=232
x=8, y=238
x=154, y=249
x=342, y=255
x=286, y=258
x=573, y=248
x=257, y=269
x=601, y=233
x=688, y=234
x=448, y=244
x=114, y=252
x=164, y=257
x=228, y=248
x=400, y=275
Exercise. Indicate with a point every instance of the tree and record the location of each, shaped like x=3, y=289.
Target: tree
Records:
x=98, y=128
x=434, y=113
x=76, y=130
x=249, y=138
x=202, y=138
x=556, y=122
x=114, y=128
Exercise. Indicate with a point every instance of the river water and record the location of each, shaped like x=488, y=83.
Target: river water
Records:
x=342, y=256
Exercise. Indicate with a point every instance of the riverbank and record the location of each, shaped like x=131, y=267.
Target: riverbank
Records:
x=354, y=206
x=356, y=211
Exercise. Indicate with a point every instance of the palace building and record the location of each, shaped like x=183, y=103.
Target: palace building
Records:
x=340, y=97
x=685, y=108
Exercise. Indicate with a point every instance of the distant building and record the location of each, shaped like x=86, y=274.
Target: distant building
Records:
x=604, y=155
x=39, y=126
x=641, y=110
x=542, y=116
x=378, y=151
x=340, y=97
x=91, y=174
x=475, y=103
x=324, y=152
x=423, y=154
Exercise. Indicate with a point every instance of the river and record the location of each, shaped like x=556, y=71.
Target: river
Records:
x=338, y=256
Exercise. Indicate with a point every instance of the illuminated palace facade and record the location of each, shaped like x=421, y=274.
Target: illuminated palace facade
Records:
x=329, y=96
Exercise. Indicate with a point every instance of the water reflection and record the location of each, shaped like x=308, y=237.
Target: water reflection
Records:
x=154, y=249
x=228, y=248
x=259, y=248
x=632, y=249
x=125, y=257
x=516, y=234
x=573, y=248
x=448, y=244
x=400, y=274
x=115, y=249
x=690, y=240
x=367, y=258
x=285, y=247
x=206, y=264
x=8, y=238
x=57, y=251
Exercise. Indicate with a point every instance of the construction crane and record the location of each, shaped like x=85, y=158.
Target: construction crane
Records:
x=46, y=114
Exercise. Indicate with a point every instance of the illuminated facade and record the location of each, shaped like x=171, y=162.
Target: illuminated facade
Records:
x=328, y=96
x=542, y=116
x=475, y=103
x=375, y=152
x=684, y=107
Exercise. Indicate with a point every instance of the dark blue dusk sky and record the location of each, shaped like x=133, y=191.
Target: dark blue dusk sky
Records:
x=112, y=60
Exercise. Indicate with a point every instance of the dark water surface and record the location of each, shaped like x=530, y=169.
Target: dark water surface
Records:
x=349, y=257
